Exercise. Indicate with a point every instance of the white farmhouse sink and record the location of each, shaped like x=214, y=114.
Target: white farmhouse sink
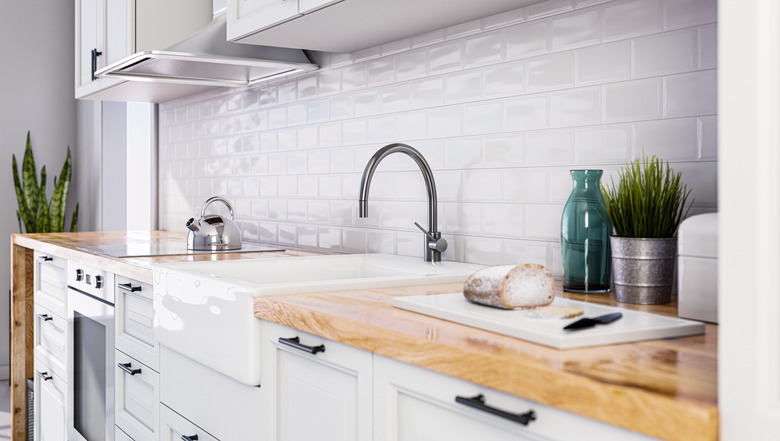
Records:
x=205, y=310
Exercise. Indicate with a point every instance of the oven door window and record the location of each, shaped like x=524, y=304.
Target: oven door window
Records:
x=89, y=377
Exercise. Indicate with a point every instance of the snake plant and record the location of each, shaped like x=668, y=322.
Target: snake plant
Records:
x=38, y=214
x=649, y=200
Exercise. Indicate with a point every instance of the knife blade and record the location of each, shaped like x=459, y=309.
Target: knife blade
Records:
x=593, y=321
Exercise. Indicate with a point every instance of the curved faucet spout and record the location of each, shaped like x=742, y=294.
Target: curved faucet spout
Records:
x=432, y=254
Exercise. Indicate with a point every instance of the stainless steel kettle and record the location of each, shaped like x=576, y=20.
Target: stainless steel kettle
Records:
x=213, y=232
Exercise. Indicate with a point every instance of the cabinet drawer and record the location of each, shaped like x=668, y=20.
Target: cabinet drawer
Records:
x=51, y=340
x=50, y=395
x=119, y=435
x=134, y=314
x=416, y=403
x=51, y=283
x=174, y=427
x=136, y=398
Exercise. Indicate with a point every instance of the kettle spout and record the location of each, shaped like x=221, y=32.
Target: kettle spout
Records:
x=192, y=224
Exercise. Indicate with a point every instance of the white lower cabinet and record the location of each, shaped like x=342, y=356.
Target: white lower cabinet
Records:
x=136, y=398
x=412, y=403
x=174, y=427
x=50, y=393
x=316, y=388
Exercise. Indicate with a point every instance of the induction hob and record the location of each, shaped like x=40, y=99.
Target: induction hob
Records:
x=161, y=247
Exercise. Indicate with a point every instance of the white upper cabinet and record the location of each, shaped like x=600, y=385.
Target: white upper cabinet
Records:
x=350, y=25
x=110, y=30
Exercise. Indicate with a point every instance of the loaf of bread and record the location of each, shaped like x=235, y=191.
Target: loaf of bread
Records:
x=511, y=286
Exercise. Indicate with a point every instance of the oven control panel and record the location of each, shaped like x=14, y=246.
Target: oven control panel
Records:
x=92, y=281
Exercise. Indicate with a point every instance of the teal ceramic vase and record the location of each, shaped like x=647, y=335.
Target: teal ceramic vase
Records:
x=585, y=231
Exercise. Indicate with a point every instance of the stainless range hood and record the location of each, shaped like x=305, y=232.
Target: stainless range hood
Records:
x=201, y=61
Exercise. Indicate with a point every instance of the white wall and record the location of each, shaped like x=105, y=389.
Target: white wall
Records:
x=37, y=95
x=502, y=108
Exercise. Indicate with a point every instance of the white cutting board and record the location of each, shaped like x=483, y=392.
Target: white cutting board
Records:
x=633, y=326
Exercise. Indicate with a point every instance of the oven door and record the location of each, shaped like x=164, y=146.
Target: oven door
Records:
x=90, y=367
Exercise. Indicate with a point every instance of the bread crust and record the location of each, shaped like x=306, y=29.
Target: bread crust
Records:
x=497, y=286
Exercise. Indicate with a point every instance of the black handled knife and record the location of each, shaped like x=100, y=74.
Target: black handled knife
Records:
x=588, y=322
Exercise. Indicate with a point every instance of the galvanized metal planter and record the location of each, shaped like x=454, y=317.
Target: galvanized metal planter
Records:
x=643, y=269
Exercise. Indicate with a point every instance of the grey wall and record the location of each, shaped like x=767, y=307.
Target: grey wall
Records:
x=36, y=86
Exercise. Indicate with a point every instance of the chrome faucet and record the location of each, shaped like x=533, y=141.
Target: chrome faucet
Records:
x=434, y=243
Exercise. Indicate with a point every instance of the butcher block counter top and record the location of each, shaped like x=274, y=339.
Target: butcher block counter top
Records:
x=663, y=388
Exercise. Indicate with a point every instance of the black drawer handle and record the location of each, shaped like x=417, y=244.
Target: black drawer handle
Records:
x=45, y=317
x=45, y=259
x=95, y=53
x=128, y=287
x=295, y=342
x=45, y=376
x=478, y=403
x=189, y=438
x=126, y=367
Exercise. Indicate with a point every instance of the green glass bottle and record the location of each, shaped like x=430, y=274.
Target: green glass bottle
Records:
x=585, y=230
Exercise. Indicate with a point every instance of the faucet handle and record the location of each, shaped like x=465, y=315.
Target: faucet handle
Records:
x=435, y=243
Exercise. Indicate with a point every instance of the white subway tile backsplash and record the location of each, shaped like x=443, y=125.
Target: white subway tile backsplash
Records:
x=501, y=108
x=633, y=101
x=667, y=53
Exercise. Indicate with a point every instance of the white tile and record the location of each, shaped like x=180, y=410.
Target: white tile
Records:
x=503, y=151
x=464, y=86
x=561, y=184
x=575, y=108
x=449, y=185
x=484, y=117
x=525, y=251
x=548, y=147
x=277, y=163
x=329, y=238
x=354, y=77
x=633, y=100
x=576, y=29
x=277, y=209
x=461, y=218
x=411, y=125
x=604, y=63
x=296, y=210
x=342, y=160
x=672, y=139
x=481, y=185
x=307, y=236
x=307, y=137
x=329, y=81
x=702, y=179
x=396, y=97
x=268, y=96
x=330, y=186
x=708, y=127
x=380, y=242
x=288, y=186
x=353, y=241
x=547, y=8
x=342, y=107
x=632, y=18
x=526, y=185
x=543, y=221
x=368, y=103
x=507, y=220
x=445, y=121
x=445, y=57
x=505, y=79
x=483, y=49
x=318, y=161
x=296, y=162
x=462, y=29
x=395, y=47
x=708, y=47
x=553, y=71
x=268, y=232
x=684, y=13
x=307, y=87
x=604, y=144
x=287, y=92
x=381, y=129
x=482, y=251
x=381, y=71
x=410, y=244
x=288, y=234
x=692, y=94
x=411, y=64
x=409, y=185
x=394, y=215
x=525, y=114
x=251, y=187
x=366, y=54
x=526, y=39
x=428, y=93
x=505, y=19
x=330, y=135
x=277, y=117
x=343, y=212
x=307, y=186
x=354, y=132
x=463, y=153
x=317, y=111
x=428, y=38
x=667, y=53
x=287, y=139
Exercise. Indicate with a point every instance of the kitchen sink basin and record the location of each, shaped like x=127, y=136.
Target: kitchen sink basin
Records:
x=205, y=310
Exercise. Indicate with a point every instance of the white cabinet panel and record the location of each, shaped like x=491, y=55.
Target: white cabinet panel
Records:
x=50, y=393
x=174, y=427
x=247, y=16
x=322, y=382
x=134, y=313
x=51, y=340
x=136, y=398
x=51, y=283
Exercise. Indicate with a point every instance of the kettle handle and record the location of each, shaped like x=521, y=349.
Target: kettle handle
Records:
x=216, y=199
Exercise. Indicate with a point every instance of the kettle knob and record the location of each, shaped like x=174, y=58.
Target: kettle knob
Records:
x=192, y=224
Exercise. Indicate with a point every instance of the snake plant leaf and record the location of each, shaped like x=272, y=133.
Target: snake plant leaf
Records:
x=19, y=219
x=23, y=213
x=58, y=197
x=74, y=219
x=43, y=206
x=30, y=189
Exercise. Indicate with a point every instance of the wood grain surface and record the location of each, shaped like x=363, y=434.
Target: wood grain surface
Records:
x=22, y=337
x=662, y=388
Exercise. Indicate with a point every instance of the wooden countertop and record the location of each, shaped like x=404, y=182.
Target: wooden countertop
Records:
x=663, y=388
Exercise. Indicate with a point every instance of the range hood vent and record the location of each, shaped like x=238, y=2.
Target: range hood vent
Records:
x=208, y=59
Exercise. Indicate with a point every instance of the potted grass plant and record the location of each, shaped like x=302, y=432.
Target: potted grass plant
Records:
x=38, y=214
x=645, y=207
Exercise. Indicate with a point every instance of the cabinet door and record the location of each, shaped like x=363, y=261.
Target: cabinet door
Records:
x=134, y=321
x=51, y=283
x=318, y=389
x=249, y=16
x=50, y=395
x=412, y=403
x=136, y=398
x=51, y=340
x=89, y=37
x=174, y=427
